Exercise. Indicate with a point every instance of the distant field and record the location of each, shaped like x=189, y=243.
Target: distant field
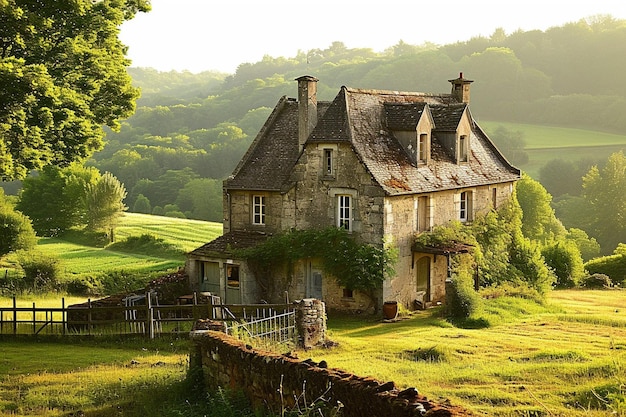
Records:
x=189, y=234
x=80, y=260
x=544, y=143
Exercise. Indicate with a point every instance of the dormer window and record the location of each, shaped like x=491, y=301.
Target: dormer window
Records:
x=463, y=148
x=423, y=147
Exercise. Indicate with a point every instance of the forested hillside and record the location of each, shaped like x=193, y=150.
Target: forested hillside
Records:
x=190, y=130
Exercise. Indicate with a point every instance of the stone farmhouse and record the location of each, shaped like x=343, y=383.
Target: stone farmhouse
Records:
x=385, y=165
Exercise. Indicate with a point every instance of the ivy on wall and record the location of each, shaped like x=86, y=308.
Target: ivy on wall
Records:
x=357, y=266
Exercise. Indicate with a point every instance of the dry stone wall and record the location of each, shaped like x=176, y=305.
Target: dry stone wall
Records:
x=275, y=381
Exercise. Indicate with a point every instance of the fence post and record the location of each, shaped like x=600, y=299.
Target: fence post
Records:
x=34, y=320
x=150, y=315
x=89, y=316
x=14, y=317
x=63, y=316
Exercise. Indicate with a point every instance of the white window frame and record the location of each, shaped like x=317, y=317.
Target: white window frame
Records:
x=258, y=209
x=344, y=211
x=466, y=205
x=463, y=206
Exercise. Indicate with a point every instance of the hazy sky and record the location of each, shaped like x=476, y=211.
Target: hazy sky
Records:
x=198, y=35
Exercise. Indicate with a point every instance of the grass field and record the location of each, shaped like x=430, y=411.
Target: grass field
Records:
x=566, y=358
x=188, y=234
x=544, y=143
x=79, y=260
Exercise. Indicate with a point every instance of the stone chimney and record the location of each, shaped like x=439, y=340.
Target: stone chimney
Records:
x=307, y=107
x=461, y=89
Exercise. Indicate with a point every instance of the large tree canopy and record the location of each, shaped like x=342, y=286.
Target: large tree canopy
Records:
x=62, y=77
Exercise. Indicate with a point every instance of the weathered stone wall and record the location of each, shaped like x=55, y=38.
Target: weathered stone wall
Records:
x=239, y=215
x=273, y=380
x=311, y=322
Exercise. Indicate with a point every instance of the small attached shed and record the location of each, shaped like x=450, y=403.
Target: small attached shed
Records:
x=214, y=268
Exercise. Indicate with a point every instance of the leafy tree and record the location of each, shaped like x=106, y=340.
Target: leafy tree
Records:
x=604, y=193
x=589, y=247
x=15, y=228
x=142, y=205
x=539, y=221
x=53, y=199
x=202, y=199
x=104, y=203
x=62, y=76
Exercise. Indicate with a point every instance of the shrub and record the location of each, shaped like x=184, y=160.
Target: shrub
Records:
x=507, y=289
x=563, y=257
x=89, y=286
x=596, y=281
x=461, y=298
x=118, y=282
x=528, y=265
x=147, y=245
x=86, y=238
x=16, y=230
x=41, y=272
x=614, y=266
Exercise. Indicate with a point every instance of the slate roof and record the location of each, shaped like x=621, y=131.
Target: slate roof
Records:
x=225, y=244
x=268, y=162
x=363, y=114
x=366, y=119
x=403, y=116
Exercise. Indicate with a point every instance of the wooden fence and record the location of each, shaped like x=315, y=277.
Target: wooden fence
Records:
x=149, y=319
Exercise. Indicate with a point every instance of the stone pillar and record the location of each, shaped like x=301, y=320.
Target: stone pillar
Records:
x=311, y=322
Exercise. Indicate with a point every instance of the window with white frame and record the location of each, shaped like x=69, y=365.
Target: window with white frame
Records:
x=465, y=206
x=258, y=209
x=344, y=212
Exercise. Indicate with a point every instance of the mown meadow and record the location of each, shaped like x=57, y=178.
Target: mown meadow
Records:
x=81, y=260
x=565, y=357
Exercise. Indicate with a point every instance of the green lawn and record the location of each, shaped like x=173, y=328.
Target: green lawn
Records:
x=79, y=260
x=566, y=358
x=563, y=359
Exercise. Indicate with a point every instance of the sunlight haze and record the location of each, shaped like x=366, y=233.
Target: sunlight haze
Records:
x=200, y=35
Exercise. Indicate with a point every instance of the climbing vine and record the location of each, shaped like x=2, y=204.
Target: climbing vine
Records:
x=354, y=265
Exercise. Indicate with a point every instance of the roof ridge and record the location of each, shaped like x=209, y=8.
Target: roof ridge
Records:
x=393, y=92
